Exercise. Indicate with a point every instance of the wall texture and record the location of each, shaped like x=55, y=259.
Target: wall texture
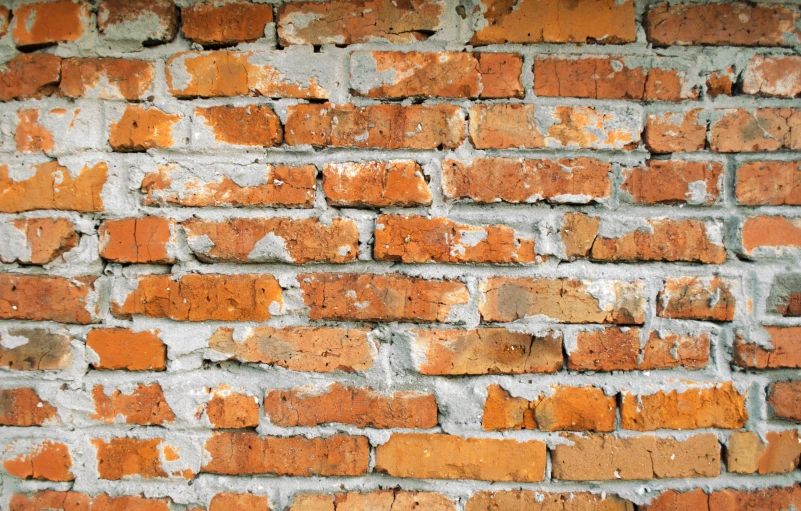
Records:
x=400, y=255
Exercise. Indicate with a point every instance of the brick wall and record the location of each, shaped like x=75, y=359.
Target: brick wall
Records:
x=449, y=255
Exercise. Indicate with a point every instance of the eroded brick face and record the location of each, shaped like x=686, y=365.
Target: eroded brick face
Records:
x=400, y=255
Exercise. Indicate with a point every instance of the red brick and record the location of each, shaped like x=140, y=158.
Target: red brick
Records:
x=38, y=240
x=565, y=300
x=778, y=76
x=375, y=126
x=376, y=184
x=144, y=406
x=106, y=78
x=760, y=129
x=30, y=75
x=253, y=240
x=365, y=297
x=675, y=132
x=245, y=73
x=784, y=399
x=138, y=240
x=784, y=350
x=42, y=350
x=120, y=348
x=381, y=500
x=769, y=183
x=40, y=24
x=81, y=193
x=514, y=500
x=239, y=502
x=698, y=298
x=140, y=129
x=552, y=21
x=360, y=407
x=501, y=75
x=283, y=186
x=734, y=24
x=721, y=83
x=249, y=454
x=486, y=351
x=212, y=24
x=121, y=20
x=440, y=456
x=47, y=461
x=634, y=458
x=516, y=180
x=674, y=182
x=72, y=501
x=46, y=298
x=120, y=458
x=23, y=407
x=312, y=349
x=344, y=22
x=252, y=125
x=418, y=239
x=232, y=410
x=206, y=297
x=771, y=234
x=507, y=126
x=745, y=500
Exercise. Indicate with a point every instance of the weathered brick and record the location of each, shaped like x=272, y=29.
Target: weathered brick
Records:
x=440, y=456
x=381, y=500
x=120, y=348
x=770, y=235
x=698, y=298
x=5, y=16
x=514, y=500
x=746, y=453
x=507, y=126
x=50, y=499
x=619, y=349
x=47, y=461
x=106, y=78
x=282, y=186
x=486, y=351
x=43, y=23
x=769, y=183
x=207, y=297
x=780, y=350
x=30, y=75
x=418, y=239
x=644, y=240
x=365, y=297
x=778, y=76
x=253, y=240
x=633, y=458
x=212, y=24
x=376, y=184
x=232, y=410
x=142, y=21
x=37, y=240
x=566, y=409
x=735, y=24
x=697, y=183
x=48, y=298
x=720, y=406
x=120, y=458
x=34, y=349
x=721, y=83
x=375, y=126
x=746, y=500
x=760, y=129
x=239, y=502
x=140, y=129
x=674, y=132
x=145, y=406
x=138, y=240
x=239, y=453
x=784, y=399
x=516, y=180
x=246, y=73
x=552, y=21
x=252, y=125
x=321, y=350
x=360, y=407
x=345, y=22
x=80, y=192
x=58, y=130
x=785, y=295
x=23, y=407
x=565, y=300
x=435, y=74
x=30, y=136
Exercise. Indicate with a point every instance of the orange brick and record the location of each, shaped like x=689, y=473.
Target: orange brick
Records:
x=771, y=235
x=39, y=240
x=784, y=350
x=30, y=75
x=249, y=454
x=769, y=183
x=675, y=132
x=5, y=15
x=239, y=501
x=140, y=129
x=721, y=83
x=46, y=298
x=23, y=407
x=379, y=184
x=361, y=407
x=254, y=240
x=119, y=458
x=48, y=461
x=49, y=499
x=381, y=500
x=232, y=410
x=778, y=76
x=784, y=399
x=106, y=78
x=746, y=453
x=138, y=240
x=252, y=125
x=229, y=23
x=120, y=348
x=120, y=20
x=513, y=500
x=80, y=193
x=44, y=23
x=486, y=351
x=760, y=129
x=703, y=299
x=38, y=350
x=674, y=182
x=30, y=136
x=144, y=406
x=440, y=456
x=501, y=75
